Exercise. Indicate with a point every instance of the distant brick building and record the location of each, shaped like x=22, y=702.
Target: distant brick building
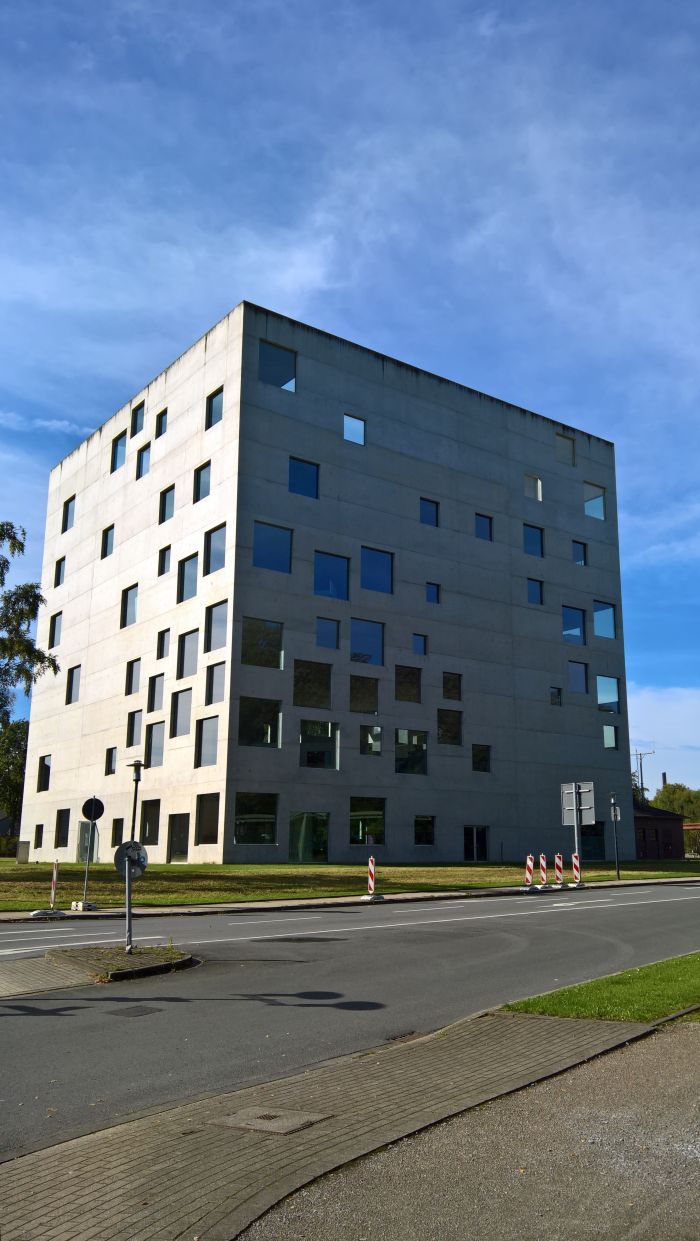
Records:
x=658, y=833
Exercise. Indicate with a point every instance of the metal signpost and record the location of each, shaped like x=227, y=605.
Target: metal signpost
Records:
x=93, y=810
x=615, y=816
x=131, y=861
x=578, y=808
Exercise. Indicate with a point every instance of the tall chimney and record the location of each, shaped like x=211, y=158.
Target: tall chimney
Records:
x=663, y=779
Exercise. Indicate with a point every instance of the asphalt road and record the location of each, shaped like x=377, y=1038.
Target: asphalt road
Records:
x=282, y=990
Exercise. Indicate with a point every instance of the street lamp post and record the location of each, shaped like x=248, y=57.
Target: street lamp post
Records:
x=615, y=815
x=136, y=766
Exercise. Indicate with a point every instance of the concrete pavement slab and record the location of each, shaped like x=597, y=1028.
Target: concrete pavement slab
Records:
x=32, y=975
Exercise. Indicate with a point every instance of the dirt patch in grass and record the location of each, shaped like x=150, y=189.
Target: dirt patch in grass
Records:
x=105, y=962
x=643, y=994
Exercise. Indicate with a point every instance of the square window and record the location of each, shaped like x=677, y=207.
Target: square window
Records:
x=161, y=423
x=312, y=684
x=44, y=774
x=107, y=546
x=608, y=691
x=59, y=573
x=155, y=744
x=533, y=540
x=180, y=712
x=137, y=418
x=366, y=641
x=207, y=819
x=143, y=461
x=578, y=678
x=533, y=487
x=163, y=644
x=261, y=644
x=331, y=575
x=277, y=366
x=118, y=452
x=452, y=685
x=73, y=684
x=432, y=592
x=164, y=561
x=117, y=832
x=364, y=695
x=130, y=597
x=55, y=629
x=303, y=478
x=535, y=590
x=166, y=506
x=259, y=722
x=155, y=692
x=353, y=429
x=318, y=744
x=573, y=625
x=483, y=527
x=424, y=829
x=272, y=547
x=565, y=449
x=216, y=679
x=39, y=836
x=327, y=632
x=579, y=552
x=187, y=654
x=377, y=570
x=133, y=676
x=60, y=840
x=594, y=501
x=214, y=408
x=68, y=514
x=419, y=643
x=214, y=549
x=429, y=512
x=206, y=741
x=407, y=683
x=603, y=619
x=555, y=699
x=202, y=482
x=110, y=760
x=133, y=728
x=187, y=578
x=367, y=820
x=150, y=821
x=449, y=727
x=215, y=622
x=610, y=736
x=256, y=819
x=410, y=752
x=370, y=739
x=481, y=758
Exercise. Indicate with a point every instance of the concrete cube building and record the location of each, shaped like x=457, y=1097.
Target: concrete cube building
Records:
x=337, y=605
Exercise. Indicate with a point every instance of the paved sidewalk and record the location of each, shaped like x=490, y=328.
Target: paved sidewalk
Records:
x=209, y=1168
x=32, y=975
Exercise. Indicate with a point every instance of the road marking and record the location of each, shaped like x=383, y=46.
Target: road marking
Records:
x=300, y=918
x=78, y=943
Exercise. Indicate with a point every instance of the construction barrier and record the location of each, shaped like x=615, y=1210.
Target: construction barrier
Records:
x=543, y=870
x=529, y=867
x=54, y=884
x=576, y=867
x=370, y=877
x=558, y=869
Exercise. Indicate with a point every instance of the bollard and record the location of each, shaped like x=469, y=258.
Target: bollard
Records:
x=558, y=870
x=529, y=867
x=543, y=871
x=576, y=867
x=54, y=884
x=371, y=894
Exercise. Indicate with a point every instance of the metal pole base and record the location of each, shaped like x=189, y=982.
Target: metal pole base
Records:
x=376, y=896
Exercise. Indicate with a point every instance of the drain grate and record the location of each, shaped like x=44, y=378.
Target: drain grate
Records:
x=271, y=1122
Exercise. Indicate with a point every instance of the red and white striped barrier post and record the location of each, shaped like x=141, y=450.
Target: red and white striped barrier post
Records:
x=529, y=868
x=576, y=867
x=370, y=877
x=54, y=884
x=558, y=870
x=543, y=871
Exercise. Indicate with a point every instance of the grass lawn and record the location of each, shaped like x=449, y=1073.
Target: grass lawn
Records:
x=28, y=887
x=636, y=995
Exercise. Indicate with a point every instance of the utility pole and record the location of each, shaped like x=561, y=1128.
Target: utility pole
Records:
x=640, y=755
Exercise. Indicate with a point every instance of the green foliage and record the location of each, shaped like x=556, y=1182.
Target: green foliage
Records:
x=13, y=757
x=21, y=661
x=8, y=846
x=680, y=799
x=639, y=799
x=643, y=994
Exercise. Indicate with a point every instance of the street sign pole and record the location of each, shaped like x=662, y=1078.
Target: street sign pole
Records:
x=615, y=816
x=131, y=861
x=127, y=875
x=93, y=809
x=577, y=848
x=87, y=863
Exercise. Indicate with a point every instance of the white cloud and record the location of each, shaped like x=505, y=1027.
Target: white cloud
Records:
x=667, y=721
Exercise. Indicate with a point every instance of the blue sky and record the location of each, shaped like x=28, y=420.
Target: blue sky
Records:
x=504, y=194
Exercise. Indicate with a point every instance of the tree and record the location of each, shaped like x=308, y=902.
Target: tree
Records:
x=680, y=799
x=21, y=660
x=13, y=757
x=639, y=800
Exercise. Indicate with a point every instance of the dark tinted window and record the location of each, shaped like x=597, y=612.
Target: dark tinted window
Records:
x=215, y=619
x=573, y=625
x=364, y=695
x=256, y=818
x=118, y=452
x=214, y=549
x=272, y=547
x=207, y=820
x=331, y=575
x=483, y=526
x=407, y=683
x=303, y=477
x=377, y=570
x=215, y=408
x=187, y=578
x=137, y=419
x=312, y=684
x=327, y=632
x=261, y=643
x=429, y=512
x=277, y=366
x=366, y=641
x=533, y=540
x=535, y=590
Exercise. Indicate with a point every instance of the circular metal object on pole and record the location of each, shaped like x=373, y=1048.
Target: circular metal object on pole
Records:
x=93, y=809
x=131, y=854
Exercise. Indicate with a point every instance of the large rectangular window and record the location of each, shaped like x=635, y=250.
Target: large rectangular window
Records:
x=155, y=692
x=377, y=570
x=411, y=752
x=202, y=482
x=533, y=540
x=327, y=632
x=573, y=625
x=449, y=727
x=483, y=527
x=187, y=578
x=364, y=695
x=261, y=644
x=407, y=683
x=130, y=597
x=277, y=366
x=594, y=501
x=367, y=820
x=73, y=684
x=150, y=821
x=371, y=739
x=180, y=712
x=207, y=819
x=44, y=774
x=166, y=504
x=55, y=629
x=68, y=514
x=214, y=408
x=143, y=461
x=215, y=549
x=424, y=829
x=366, y=641
x=107, y=545
x=118, y=452
x=452, y=685
x=206, y=741
x=603, y=619
x=137, y=418
x=216, y=679
x=259, y=722
x=331, y=575
x=155, y=744
x=318, y=744
x=133, y=676
x=608, y=689
x=134, y=721
x=60, y=840
x=481, y=757
x=187, y=654
x=215, y=621
x=272, y=547
x=578, y=677
x=256, y=819
x=303, y=477
x=312, y=684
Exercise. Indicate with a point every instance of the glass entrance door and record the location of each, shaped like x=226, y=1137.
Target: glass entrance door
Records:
x=178, y=837
x=476, y=843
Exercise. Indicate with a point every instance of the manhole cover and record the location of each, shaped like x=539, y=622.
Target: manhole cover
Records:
x=270, y=1121
x=133, y=1010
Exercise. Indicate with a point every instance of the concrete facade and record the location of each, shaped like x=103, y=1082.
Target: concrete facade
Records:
x=425, y=437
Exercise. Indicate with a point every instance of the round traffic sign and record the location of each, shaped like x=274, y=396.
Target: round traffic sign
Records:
x=93, y=809
x=132, y=854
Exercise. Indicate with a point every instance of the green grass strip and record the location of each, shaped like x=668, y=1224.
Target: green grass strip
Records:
x=643, y=994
